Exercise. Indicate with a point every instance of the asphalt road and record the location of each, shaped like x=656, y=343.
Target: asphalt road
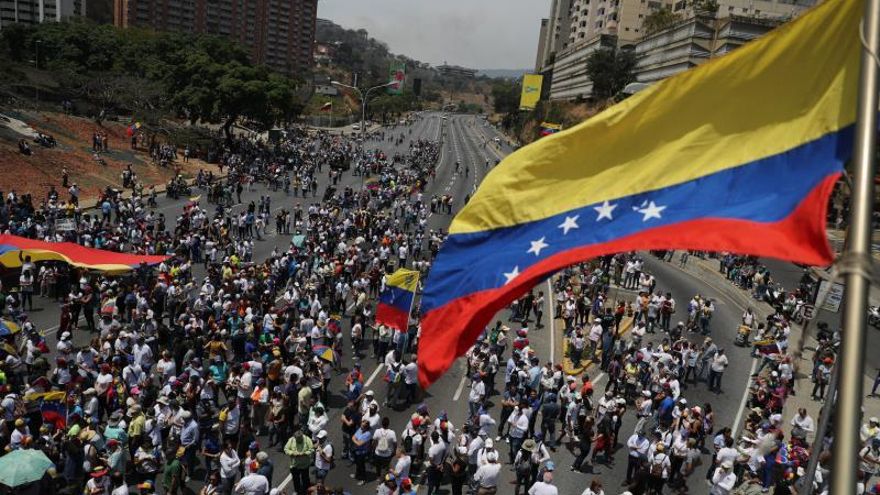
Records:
x=462, y=141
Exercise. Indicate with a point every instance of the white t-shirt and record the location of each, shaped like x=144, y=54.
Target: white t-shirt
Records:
x=320, y=463
x=402, y=466
x=487, y=475
x=388, y=437
x=541, y=488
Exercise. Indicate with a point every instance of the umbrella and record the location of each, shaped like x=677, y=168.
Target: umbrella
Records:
x=298, y=240
x=21, y=467
x=8, y=328
x=323, y=352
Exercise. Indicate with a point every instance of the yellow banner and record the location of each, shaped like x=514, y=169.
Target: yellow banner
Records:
x=531, y=91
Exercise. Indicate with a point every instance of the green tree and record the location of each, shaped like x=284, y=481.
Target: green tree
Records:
x=659, y=20
x=505, y=96
x=610, y=70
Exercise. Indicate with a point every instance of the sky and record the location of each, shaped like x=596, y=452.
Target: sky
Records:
x=480, y=34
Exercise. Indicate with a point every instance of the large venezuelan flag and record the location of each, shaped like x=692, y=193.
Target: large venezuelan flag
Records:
x=395, y=302
x=739, y=154
x=11, y=247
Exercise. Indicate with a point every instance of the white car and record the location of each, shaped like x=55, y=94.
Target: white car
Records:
x=355, y=127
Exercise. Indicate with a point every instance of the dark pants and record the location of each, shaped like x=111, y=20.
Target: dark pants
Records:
x=434, y=478
x=715, y=380
x=300, y=479
x=360, y=462
x=632, y=467
x=515, y=444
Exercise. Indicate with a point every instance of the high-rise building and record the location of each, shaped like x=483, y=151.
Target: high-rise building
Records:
x=542, y=40
x=37, y=11
x=279, y=33
x=621, y=18
x=555, y=35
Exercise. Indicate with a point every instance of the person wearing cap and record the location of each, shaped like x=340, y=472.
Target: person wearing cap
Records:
x=821, y=378
x=871, y=429
x=486, y=477
x=98, y=483
x=406, y=487
x=723, y=479
x=300, y=450
x=323, y=455
x=116, y=456
x=20, y=436
x=524, y=464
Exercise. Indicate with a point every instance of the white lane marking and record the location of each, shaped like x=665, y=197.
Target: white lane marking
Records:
x=460, y=388
x=552, y=323
x=284, y=483
x=745, y=399
x=374, y=375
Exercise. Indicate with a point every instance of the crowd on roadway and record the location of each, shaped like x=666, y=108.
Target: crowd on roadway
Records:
x=193, y=369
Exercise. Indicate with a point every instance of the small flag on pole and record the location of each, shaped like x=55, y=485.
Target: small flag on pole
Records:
x=396, y=301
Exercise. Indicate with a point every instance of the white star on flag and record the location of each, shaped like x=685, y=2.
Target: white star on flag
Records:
x=568, y=224
x=605, y=210
x=651, y=211
x=537, y=246
x=511, y=275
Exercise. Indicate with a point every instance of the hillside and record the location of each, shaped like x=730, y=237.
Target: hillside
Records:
x=353, y=51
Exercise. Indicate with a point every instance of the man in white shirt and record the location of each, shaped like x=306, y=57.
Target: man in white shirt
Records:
x=323, y=455
x=716, y=370
x=436, y=458
x=723, y=480
x=802, y=421
x=486, y=476
x=253, y=483
x=638, y=450
x=545, y=486
x=476, y=395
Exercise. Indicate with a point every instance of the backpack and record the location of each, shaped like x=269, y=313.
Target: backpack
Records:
x=382, y=444
x=524, y=466
x=408, y=443
x=657, y=467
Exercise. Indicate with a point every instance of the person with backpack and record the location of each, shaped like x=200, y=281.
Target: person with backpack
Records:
x=523, y=464
x=659, y=467
x=384, y=446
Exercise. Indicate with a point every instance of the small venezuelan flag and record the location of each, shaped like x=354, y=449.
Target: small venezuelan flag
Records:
x=395, y=302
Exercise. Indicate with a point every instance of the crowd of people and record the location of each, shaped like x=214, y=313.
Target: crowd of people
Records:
x=192, y=370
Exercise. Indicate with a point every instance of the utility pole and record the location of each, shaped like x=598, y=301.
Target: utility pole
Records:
x=855, y=263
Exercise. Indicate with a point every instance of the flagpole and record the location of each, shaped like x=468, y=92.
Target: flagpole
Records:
x=855, y=264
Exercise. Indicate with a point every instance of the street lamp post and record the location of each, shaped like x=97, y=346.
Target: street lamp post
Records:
x=364, y=96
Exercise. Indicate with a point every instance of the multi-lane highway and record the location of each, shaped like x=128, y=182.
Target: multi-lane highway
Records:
x=463, y=141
